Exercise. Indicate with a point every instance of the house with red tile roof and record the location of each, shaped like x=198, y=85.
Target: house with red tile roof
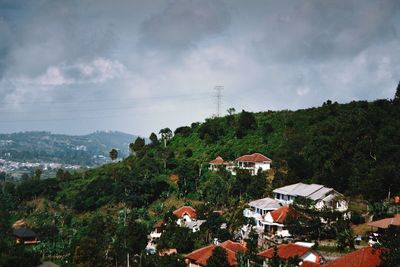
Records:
x=185, y=212
x=254, y=162
x=365, y=257
x=216, y=163
x=286, y=251
x=274, y=221
x=187, y=217
x=200, y=256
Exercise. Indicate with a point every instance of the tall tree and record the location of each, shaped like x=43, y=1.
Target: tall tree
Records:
x=113, y=154
x=154, y=140
x=390, y=241
x=219, y=258
x=137, y=146
x=88, y=253
x=247, y=122
x=166, y=134
x=397, y=94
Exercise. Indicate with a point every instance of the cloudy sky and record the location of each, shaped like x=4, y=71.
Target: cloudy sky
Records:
x=139, y=66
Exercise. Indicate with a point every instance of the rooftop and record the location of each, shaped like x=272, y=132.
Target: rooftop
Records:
x=255, y=157
x=217, y=160
x=385, y=223
x=201, y=255
x=265, y=204
x=280, y=215
x=285, y=251
x=312, y=191
x=365, y=257
x=185, y=210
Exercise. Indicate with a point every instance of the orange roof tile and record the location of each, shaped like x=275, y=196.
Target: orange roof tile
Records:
x=185, y=210
x=234, y=246
x=174, y=178
x=365, y=257
x=255, y=157
x=385, y=223
x=201, y=255
x=285, y=251
x=282, y=213
x=309, y=264
x=217, y=160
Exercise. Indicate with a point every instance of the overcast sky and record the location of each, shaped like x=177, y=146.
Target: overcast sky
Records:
x=138, y=66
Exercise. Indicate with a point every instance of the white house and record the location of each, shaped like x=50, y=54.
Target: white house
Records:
x=259, y=208
x=254, y=162
x=274, y=222
x=187, y=217
x=321, y=195
x=216, y=163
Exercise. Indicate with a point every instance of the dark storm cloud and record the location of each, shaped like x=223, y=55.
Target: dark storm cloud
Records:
x=322, y=30
x=184, y=23
x=138, y=66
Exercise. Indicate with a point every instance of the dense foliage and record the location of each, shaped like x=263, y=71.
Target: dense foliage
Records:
x=350, y=147
x=99, y=216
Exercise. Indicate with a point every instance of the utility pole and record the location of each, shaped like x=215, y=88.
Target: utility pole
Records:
x=218, y=97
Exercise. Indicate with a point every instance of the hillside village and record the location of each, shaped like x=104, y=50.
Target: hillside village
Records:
x=213, y=195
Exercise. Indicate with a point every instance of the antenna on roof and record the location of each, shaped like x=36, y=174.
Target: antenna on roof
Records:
x=218, y=97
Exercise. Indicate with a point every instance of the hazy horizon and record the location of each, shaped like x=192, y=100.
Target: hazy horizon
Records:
x=139, y=66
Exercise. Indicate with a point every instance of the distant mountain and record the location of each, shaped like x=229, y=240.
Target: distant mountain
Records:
x=91, y=149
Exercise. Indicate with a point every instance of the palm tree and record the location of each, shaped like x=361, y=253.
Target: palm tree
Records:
x=166, y=134
x=113, y=157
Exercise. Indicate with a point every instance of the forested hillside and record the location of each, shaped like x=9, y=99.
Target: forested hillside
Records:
x=87, y=217
x=352, y=147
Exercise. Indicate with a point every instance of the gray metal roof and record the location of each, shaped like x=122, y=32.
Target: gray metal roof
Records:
x=312, y=191
x=321, y=193
x=265, y=204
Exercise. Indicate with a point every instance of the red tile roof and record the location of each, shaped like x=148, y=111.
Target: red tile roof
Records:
x=282, y=213
x=309, y=264
x=174, y=178
x=234, y=246
x=185, y=210
x=385, y=223
x=365, y=257
x=201, y=255
x=217, y=160
x=256, y=157
x=285, y=251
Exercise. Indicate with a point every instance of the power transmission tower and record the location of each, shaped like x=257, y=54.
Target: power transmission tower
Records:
x=218, y=97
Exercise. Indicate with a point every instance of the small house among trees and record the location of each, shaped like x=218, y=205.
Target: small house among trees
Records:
x=252, y=163
x=291, y=252
x=201, y=256
x=187, y=217
x=25, y=236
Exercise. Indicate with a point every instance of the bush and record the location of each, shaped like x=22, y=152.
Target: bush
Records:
x=357, y=218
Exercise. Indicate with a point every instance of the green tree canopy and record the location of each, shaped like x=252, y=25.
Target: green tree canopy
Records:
x=219, y=258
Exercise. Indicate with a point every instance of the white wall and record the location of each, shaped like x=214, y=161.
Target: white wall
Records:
x=309, y=256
